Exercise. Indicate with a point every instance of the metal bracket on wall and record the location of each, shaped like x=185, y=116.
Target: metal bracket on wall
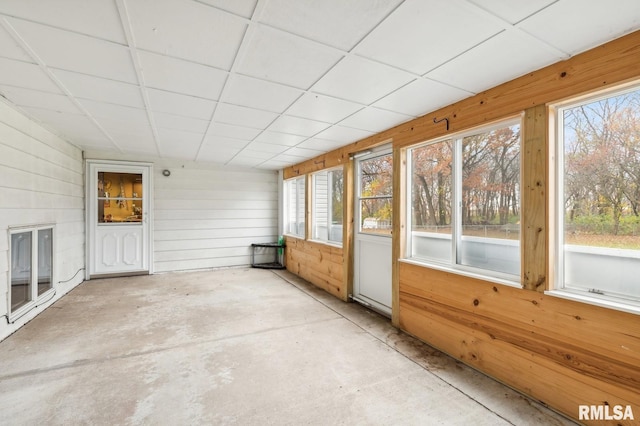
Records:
x=442, y=119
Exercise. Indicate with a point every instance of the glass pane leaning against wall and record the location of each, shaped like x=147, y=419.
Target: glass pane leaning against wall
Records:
x=599, y=196
x=465, y=201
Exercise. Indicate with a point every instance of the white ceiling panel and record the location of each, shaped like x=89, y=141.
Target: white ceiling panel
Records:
x=100, y=89
x=76, y=52
x=179, y=144
x=38, y=99
x=597, y=21
x=517, y=54
x=421, y=96
x=176, y=75
x=297, y=126
x=205, y=79
x=97, y=18
x=187, y=30
x=343, y=134
x=444, y=29
x=322, y=108
x=360, y=80
x=23, y=74
x=512, y=11
x=260, y=94
x=9, y=48
x=284, y=58
x=178, y=104
x=278, y=138
x=337, y=23
x=243, y=116
x=180, y=122
x=243, y=8
x=235, y=132
x=374, y=119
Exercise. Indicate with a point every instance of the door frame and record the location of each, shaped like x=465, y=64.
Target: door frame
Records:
x=92, y=166
x=379, y=151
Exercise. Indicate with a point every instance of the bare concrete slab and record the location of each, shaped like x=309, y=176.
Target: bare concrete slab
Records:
x=236, y=346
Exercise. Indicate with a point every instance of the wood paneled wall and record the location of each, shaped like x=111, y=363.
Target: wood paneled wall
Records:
x=562, y=352
x=320, y=264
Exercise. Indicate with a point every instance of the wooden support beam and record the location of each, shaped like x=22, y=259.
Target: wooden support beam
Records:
x=399, y=228
x=347, y=227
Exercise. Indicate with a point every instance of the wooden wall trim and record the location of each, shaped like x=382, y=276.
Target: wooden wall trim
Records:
x=533, y=207
x=399, y=228
x=348, y=184
x=610, y=64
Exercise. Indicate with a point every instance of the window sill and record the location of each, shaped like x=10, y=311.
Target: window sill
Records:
x=601, y=301
x=464, y=272
x=327, y=243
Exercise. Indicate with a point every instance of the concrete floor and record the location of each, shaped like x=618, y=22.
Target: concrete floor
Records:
x=236, y=346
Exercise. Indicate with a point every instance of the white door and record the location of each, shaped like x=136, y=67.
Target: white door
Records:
x=372, y=242
x=118, y=218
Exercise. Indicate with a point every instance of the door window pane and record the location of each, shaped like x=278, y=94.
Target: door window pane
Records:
x=119, y=197
x=375, y=193
x=21, y=277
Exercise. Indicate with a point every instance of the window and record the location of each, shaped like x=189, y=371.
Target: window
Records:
x=598, y=203
x=327, y=205
x=119, y=197
x=294, y=207
x=465, y=202
x=375, y=194
x=31, y=270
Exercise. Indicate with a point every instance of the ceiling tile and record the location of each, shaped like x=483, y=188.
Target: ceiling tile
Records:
x=360, y=80
x=284, y=58
x=374, y=119
x=322, y=108
x=297, y=126
x=144, y=144
x=244, y=161
x=9, y=48
x=239, y=7
x=303, y=152
x=35, y=98
x=517, y=54
x=274, y=164
x=278, y=138
x=187, y=30
x=179, y=122
x=97, y=18
x=118, y=112
x=230, y=131
x=323, y=145
x=341, y=24
x=267, y=147
x=176, y=75
x=178, y=143
x=421, y=97
x=76, y=52
x=512, y=11
x=243, y=116
x=22, y=74
x=343, y=134
x=260, y=94
x=221, y=142
x=260, y=155
x=100, y=89
x=598, y=21
x=71, y=125
x=442, y=30
x=178, y=104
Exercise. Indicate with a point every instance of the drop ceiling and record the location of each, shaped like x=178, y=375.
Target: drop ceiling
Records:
x=270, y=83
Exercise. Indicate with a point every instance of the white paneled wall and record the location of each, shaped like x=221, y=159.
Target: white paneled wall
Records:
x=41, y=182
x=207, y=215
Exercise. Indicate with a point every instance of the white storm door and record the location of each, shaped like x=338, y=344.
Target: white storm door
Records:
x=118, y=222
x=372, y=242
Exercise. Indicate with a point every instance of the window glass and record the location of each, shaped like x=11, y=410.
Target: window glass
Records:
x=21, y=276
x=327, y=205
x=600, y=195
x=295, y=206
x=119, y=197
x=376, y=194
x=465, y=201
x=45, y=260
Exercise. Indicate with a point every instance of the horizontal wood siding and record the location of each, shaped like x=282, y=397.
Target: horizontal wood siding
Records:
x=207, y=217
x=318, y=263
x=561, y=352
x=41, y=182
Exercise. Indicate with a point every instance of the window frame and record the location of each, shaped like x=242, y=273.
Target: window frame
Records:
x=313, y=236
x=456, y=139
x=556, y=259
x=35, y=298
x=298, y=208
